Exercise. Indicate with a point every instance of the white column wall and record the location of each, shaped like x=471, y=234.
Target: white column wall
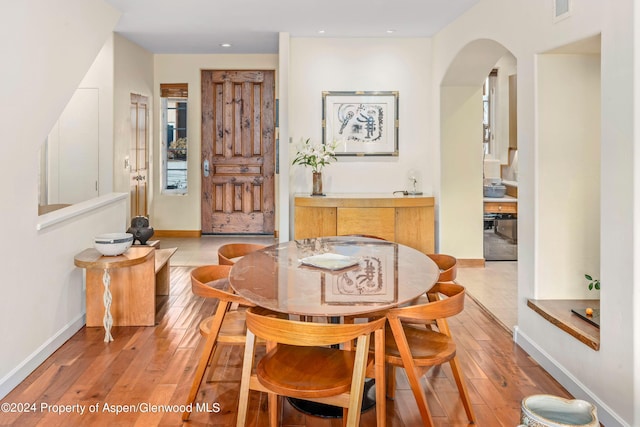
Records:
x=283, y=216
x=606, y=377
x=461, y=209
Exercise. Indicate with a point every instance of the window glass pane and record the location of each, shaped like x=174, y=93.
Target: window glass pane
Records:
x=488, y=113
x=174, y=143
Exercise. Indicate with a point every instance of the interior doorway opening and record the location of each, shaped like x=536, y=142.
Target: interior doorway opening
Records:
x=472, y=153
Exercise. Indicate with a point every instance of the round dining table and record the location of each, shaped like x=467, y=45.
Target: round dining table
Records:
x=333, y=276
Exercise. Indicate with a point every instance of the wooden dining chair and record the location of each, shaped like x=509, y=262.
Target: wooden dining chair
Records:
x=411, y=343
x=299, y=364
x=227, y=254
x=225, y=327
x=448, y=266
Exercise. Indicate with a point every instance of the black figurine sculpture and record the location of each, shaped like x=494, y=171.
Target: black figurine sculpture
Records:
x=140, y=229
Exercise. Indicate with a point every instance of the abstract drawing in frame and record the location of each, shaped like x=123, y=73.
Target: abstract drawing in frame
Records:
x=361, y=123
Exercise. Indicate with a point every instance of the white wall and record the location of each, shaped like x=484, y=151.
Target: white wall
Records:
x=42, y=296
x=175, y=211
x=606, y=377
x=569, y=189
x=354, y=64
x=100, y=76
x=95, y=121
x=72, y=151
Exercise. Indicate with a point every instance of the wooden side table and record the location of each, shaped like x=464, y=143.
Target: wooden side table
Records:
x=123, y=285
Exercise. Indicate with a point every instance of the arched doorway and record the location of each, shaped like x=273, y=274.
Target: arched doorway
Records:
x=468, y=156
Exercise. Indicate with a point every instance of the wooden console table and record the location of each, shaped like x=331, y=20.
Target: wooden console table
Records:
x=121, y=289
x=408, y=220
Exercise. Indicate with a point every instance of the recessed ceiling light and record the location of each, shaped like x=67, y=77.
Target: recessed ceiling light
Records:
x=391, y=31
x=225, y=44
x=321, y=31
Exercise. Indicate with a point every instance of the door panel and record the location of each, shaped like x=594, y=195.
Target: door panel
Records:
x=139, y=157
x=238, y=138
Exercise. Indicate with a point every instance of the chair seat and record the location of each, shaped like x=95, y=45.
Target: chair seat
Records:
x=288, y=369
x=428, y=347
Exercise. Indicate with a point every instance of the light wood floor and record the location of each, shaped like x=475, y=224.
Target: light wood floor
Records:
x=148, y=366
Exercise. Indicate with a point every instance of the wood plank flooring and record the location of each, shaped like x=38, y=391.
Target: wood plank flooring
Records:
x=146, y=367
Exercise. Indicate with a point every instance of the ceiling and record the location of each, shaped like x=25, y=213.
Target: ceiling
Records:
x=252, y=26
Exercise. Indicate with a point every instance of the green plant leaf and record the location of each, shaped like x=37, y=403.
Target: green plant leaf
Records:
x=588, y=277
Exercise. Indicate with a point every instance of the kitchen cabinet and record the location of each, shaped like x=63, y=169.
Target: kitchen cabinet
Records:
x=408, y=220
x=502, y=205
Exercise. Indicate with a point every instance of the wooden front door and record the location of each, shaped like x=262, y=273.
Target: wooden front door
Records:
x=139, y=156
x=238, y=162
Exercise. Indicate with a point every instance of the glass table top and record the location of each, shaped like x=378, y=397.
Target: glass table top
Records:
x=333, y=276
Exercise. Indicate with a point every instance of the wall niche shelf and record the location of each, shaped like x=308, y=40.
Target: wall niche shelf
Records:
x=558, y=312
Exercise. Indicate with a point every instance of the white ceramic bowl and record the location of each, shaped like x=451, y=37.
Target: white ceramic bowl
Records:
x=111, y=244
x=543, y=410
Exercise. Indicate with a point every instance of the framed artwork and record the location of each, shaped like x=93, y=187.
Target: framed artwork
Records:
x=361, y=123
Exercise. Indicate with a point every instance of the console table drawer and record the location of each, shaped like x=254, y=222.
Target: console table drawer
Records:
x=500, y=207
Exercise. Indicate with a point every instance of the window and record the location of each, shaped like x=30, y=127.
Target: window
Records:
x=489, y=112
x=173, y=98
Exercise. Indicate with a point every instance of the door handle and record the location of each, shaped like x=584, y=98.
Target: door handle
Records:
x=205, y=167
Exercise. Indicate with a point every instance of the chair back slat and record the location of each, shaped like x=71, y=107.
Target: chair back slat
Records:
x=212, y=281
x=446, y=307
x=227, y=253
x=293, y=332
x=448, y=266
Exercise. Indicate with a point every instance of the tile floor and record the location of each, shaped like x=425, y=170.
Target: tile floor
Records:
x=497, y=248
x=494, y=286
x=204, y=250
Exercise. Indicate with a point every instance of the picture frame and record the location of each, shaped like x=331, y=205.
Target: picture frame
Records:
x=361, y=123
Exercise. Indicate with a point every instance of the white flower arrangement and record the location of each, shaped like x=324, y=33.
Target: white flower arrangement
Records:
x=316, y=156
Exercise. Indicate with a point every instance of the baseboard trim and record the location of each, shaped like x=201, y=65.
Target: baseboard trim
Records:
x=471, y=263
x=35, y=359
x=177, y=233
x=606, y=415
